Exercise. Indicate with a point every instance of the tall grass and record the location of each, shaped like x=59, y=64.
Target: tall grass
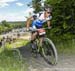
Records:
x=65, y=46
x=11, y=60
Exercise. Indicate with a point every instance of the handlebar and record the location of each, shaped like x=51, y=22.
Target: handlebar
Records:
x=32, y=29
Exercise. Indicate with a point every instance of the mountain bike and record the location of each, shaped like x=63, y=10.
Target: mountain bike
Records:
x=46, y=49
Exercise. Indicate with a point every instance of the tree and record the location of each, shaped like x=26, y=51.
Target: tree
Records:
x=63, y=21
x=36, y=4
x=4, y=23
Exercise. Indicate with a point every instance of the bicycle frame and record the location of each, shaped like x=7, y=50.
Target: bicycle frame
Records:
x=38, y=42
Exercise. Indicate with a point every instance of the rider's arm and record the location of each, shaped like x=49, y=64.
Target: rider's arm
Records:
x=49, y=23
x=29, y=22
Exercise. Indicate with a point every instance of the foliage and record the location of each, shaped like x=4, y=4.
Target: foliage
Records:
x=18, y=43
x=36, y=4
x=11, y=60
x=8, y=26
x=4, y=23
x=65, y=46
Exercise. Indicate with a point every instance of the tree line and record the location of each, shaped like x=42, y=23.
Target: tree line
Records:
x=8, y=26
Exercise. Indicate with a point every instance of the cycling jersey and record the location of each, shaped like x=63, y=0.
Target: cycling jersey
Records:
x=40, y=20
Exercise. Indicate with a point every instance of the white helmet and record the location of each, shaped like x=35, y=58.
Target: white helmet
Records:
x=48, y=8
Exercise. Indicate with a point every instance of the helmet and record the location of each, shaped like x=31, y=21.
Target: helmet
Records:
x=48, y=8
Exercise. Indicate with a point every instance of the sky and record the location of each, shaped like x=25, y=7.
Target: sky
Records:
x=14, y=10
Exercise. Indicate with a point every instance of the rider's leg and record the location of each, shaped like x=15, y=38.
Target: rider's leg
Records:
x=33, y=36
x=33, y=43
x=41, y=40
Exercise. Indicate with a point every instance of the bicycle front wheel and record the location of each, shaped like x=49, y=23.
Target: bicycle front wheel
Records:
x=49, y=51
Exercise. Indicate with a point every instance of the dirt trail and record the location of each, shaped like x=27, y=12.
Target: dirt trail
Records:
x=65, y=62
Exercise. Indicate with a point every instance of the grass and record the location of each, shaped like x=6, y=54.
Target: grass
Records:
x=11, y=60
x=66, y=46
x=16, y=44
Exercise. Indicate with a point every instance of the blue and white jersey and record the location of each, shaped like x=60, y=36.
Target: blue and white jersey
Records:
x=40, y=20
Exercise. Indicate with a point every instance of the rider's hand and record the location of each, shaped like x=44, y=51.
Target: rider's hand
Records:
x=27, y=29
x=49, y=27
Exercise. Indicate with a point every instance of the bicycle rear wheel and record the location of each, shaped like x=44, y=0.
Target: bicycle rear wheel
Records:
x=49, y=51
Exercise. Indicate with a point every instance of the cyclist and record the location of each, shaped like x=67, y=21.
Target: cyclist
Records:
x=38, y=20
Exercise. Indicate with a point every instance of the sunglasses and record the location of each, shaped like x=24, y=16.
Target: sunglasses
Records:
x=48, y=12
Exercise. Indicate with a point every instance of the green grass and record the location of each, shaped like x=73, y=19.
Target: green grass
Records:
x=0, y=37
x=11, y=60
x=66, y=46
x=16, y=44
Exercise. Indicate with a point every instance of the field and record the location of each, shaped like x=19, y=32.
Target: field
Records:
x=66, y=47
x=12, y=61
x=10, y=57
